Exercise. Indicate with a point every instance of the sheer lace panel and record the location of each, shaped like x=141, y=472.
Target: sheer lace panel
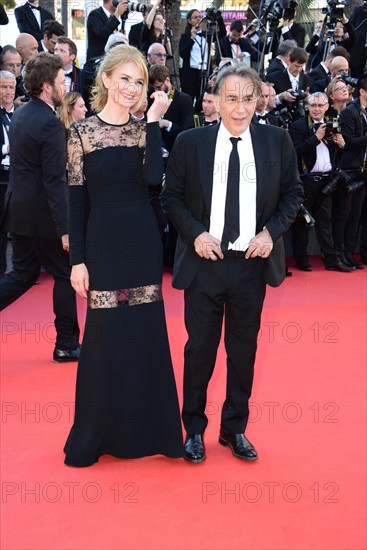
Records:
x=105, y=299
x=92, y=134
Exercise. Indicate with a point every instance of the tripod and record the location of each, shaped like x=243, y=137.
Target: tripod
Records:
x=208, y=35
x=167, y=41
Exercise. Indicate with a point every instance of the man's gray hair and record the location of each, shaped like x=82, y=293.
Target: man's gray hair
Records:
x=7, y=74
x=116, y=38
x=286, y=46
x=316, y=95
x=241, y=71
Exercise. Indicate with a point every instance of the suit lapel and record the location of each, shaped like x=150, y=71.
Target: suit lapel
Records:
x=263, y=168
x=206, y=161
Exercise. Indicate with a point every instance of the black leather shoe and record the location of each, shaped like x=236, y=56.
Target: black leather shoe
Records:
x=303, y=265
x=349, y=260
x=194, y=448
x=338, y=265
x=66, y=355
x=241, y=447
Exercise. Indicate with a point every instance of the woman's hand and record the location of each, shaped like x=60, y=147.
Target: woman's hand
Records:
x=80, y=279
x=159, y=106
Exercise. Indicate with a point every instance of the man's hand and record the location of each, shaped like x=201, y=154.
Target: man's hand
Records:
x=65, y=242
x=121, y=9
x=321, y=131
x=287, y=96
x=260, y=246
x=208, y=247
x=80, y=279
x=19, y=101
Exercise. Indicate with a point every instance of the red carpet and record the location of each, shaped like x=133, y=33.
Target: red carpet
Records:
x=307, y=491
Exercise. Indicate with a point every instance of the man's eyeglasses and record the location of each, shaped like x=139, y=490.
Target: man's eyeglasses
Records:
x=317, y=105
x=162, y=55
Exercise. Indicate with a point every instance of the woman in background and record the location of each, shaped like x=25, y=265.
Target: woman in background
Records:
x=73, y=108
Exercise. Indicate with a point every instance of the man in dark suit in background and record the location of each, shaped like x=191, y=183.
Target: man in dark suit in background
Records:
x=35, y=202
x=358, y=61
x=235, y=46
x=51, y=31
x=31, y=17
x=281, y=61
x=66, y=49
x=230, y=223
x=136, y=30
x=100, y=24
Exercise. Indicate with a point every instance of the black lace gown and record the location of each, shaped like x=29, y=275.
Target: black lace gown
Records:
x=126, y=399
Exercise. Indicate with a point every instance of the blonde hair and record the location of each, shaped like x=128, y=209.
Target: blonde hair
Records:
x=65, y=111
x=115, y=57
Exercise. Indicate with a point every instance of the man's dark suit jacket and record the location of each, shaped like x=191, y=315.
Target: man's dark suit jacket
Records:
x=179, y=112
x=188, y=193
x=27, y=22
x=354, y=130
x=99, y=28
x=226, y=49
x=358, y=52
x=275, y=66
x=135, y=34
x=4, y=172
x=297, y=32
x=318, y=73
x=282, y=82
x=305, y=142
x=35, y=202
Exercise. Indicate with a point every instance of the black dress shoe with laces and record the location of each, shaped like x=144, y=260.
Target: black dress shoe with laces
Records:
x=349, y=260
x=194, y=448
x=338, y=265
x=303, y=265
x=66, y=355
x=240, y=446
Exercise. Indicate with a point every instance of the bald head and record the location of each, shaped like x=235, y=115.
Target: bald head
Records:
x=156, y=54
x=27, y=45
x=338, y=65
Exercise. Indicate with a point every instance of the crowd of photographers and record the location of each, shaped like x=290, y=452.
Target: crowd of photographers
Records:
x=318, y=93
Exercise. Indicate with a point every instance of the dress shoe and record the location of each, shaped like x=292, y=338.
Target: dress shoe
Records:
x=349, y=260
x=194, y=448
x=66, y=355
x=338, y=265
x=241, y=447
x=303, y=265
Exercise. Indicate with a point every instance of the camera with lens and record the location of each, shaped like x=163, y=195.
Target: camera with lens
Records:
x=332, y=128
x=348, y=79
x=334, y=11
x=299, y=94
x=212, y=14
x=304, y=215
x=131, y=6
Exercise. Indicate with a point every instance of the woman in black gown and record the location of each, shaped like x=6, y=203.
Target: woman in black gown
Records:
x=126, y=399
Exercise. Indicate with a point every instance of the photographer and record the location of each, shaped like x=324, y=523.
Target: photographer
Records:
x=281, y=61
x=338, y=95
x=316, y=46
x=350, y=193
x=154, y=31
x=193, y=49
x=317, y=158
x=235, y=46
x=101, y=23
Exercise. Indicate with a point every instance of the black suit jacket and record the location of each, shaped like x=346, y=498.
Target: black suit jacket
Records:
x=188, y=192
x=318, y=73
x=275, y=66
x=297, y=32
x=179, y=113
x=225, y=48
x=27, y=22
x=354, y=131
x=135, y=34
x=99, y=28
x=35, y=202
x=358, y=52
x=282, y=82
x=305, y=143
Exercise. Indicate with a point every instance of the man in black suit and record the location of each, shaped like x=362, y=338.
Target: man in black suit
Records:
x=31, y=17
x=358, y=51
x=137, y=29
x=339, y=64
x=262, y=115
x=51, y=31
x=347, y=206
x=317, y=161
x=66, y=49
x=7, y=94
x=180, y=111
x=322, y=70
x=234, y=46
x=100, y=24
x=230, y=223
x=35, y=202
x=281, y=61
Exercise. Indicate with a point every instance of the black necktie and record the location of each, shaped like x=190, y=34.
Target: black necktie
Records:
x=231, y=230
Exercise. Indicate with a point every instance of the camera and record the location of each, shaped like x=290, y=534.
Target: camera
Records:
x=348, y=79
x=212, y=14
x=334, y=11
x=303, y=214
x=332, y=128
x=332, y=185
x=131, y=6
x=300, y=94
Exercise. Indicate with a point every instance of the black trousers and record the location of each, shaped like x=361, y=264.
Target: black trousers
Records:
x=232, y=288
x=319, y=206
x=346, y=217
x=191, y=82
x=3, y=239
x=29, y=253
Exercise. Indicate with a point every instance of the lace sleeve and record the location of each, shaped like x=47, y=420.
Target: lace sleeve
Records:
x=75, y=157
x=77, y=198
x=153, y=162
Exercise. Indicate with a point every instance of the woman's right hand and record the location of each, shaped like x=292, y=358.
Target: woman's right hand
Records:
x=80, y=279
x=194, y=32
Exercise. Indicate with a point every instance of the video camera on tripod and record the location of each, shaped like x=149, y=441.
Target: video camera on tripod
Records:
x=334, y=12
x=278, y=9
